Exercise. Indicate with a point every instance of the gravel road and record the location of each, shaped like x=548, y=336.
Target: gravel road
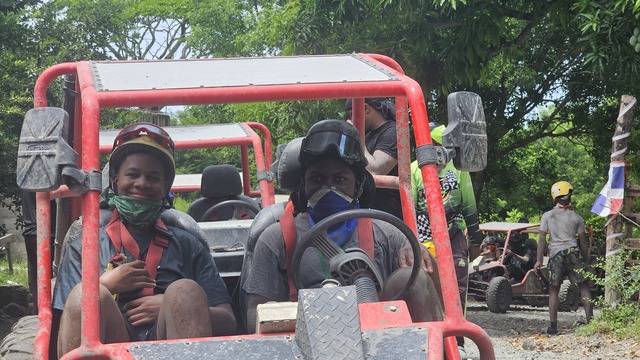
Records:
x=516, y=335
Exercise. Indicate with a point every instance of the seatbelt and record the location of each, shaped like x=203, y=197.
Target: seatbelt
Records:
x=121, y=237
x=288, y=228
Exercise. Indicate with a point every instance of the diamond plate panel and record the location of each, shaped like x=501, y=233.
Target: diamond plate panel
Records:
x=328, y=325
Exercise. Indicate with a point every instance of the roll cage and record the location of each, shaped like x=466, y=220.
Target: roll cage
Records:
x=111, y=84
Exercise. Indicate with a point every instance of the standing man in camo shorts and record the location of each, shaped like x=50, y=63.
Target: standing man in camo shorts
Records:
x=566, y=254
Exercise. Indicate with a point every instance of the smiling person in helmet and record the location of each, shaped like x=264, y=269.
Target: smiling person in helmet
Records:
x=566, y=254
x=156, y=282
x=334, y=179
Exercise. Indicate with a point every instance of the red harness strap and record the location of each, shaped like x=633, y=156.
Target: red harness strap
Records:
x=288, y=228
x=121, y=237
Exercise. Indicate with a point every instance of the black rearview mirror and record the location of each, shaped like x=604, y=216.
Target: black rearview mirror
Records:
x=466, y=131
x=43, y=150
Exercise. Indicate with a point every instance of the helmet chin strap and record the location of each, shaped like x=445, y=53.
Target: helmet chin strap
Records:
x=358, y=193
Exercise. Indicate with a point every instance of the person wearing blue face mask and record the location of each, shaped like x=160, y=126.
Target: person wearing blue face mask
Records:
x=334, y=179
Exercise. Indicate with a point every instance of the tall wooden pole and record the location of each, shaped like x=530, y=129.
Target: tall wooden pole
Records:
x=615, y=222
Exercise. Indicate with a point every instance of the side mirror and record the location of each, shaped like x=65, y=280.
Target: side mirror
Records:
x=466, y=131
x=43, y=150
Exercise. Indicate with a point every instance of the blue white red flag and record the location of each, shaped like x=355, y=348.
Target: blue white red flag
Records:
x=609, y=201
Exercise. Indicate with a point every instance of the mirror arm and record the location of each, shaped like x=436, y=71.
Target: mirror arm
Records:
x=80, y=181
x=431, y=154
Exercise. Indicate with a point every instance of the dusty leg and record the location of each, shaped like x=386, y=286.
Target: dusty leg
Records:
x=422, y=300
x=586, y=297
x=460, y=251
x=112, y=327
x=553, y=303
x=184, y=312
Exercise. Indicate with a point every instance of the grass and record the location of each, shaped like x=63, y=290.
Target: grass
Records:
x=181, y=204
x=20, y=273
x=620, y=322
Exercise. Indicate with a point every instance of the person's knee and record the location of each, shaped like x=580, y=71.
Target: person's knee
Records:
x=422, y=299
x=183, y=286
x=585, y=292
x=396, y=282
x=185, y=291
x=74, y=300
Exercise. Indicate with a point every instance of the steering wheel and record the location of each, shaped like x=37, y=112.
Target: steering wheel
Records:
x=317, y=237
x=237, y=205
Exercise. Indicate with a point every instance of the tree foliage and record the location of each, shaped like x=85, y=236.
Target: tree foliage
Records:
x=19, y=63
x=550, y=72
x=530, y=62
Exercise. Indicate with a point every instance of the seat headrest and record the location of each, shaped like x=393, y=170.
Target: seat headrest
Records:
x=220, y=181
x=289, y=169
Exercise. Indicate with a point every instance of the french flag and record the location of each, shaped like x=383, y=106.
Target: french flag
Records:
x=609, y=201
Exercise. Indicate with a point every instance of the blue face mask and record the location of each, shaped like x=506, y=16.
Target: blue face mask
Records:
x=327, y=201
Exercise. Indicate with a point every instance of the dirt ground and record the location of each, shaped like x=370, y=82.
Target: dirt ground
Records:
x=516, y=335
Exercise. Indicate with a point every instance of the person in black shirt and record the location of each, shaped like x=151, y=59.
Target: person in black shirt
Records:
x=381, y=149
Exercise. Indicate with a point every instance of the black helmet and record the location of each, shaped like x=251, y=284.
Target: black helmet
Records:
x=333, y=138
x=336, y=139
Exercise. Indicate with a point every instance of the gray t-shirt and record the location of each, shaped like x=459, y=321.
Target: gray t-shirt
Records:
x=269, y=277
x=562, y=225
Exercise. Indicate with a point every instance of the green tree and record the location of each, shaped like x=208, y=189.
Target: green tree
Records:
x=521, y=58
x=19, y=63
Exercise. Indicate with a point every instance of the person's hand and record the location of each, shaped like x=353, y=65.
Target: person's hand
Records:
x=127, y=277
x=538, y=265
x=143, y=310
x=349, y=122
x=405, y=258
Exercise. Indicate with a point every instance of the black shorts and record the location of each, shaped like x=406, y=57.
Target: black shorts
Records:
x=141, y=333
x=565, y=263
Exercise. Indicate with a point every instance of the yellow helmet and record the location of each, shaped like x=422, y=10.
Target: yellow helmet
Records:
x=561, y=188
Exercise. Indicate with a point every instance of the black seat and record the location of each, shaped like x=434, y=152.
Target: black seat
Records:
x=289, y=174
x=221, y=188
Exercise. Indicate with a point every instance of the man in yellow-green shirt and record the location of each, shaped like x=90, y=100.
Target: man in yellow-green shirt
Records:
x=461, y=211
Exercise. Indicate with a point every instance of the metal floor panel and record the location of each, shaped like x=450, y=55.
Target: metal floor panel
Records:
x=399, y=343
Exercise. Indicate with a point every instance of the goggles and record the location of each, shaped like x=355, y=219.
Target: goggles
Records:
x=154, y=132
x=318, y=143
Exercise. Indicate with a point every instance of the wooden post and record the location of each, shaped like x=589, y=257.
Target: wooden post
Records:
x=615, y=222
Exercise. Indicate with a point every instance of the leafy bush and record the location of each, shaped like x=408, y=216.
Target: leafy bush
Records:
x=620, y=276
x=622, y=322
x=181, y=203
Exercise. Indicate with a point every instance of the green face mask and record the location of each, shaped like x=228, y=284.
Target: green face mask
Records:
x=137, y=212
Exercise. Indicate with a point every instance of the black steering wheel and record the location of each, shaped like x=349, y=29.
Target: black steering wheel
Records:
x=237, y=205
x=317, y=237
